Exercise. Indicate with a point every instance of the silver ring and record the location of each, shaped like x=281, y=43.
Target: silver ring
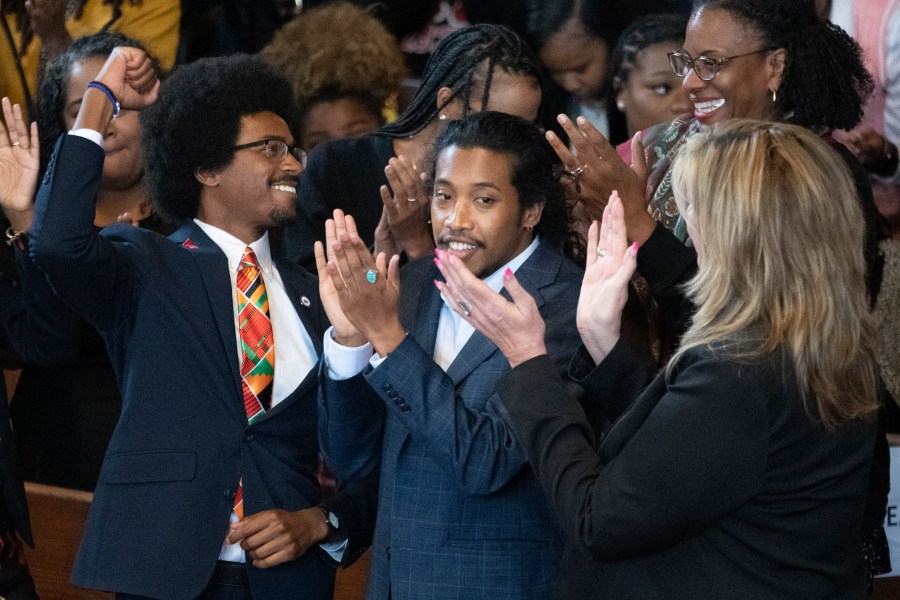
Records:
x=15, y=143
x=578, y=171
x=601, y=252
x=464, y=306
x=371, y=275
x=412, y=199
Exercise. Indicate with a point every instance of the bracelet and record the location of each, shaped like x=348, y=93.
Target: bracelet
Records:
x=99, y=85
x=16, y=237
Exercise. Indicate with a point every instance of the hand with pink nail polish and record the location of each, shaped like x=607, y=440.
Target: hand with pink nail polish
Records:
x=604, y=289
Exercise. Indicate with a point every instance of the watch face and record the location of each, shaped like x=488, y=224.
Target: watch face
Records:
x=333, y=520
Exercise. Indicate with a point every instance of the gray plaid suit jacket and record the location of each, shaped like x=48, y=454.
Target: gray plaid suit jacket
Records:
x=460, y=513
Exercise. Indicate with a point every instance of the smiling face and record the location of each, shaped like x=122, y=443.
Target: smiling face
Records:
x=653, y=93
x=476, y=214
x=256, y=190
x=576, y=60
x=123, y=165
x=742, y=87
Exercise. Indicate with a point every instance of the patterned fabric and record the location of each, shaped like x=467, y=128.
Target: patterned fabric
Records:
x=662, y=143
x=257, y=347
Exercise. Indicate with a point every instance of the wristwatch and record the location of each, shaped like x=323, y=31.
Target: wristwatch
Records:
x=334, y=526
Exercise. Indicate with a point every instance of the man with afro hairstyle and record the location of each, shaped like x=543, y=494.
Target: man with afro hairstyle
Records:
x=208, y=487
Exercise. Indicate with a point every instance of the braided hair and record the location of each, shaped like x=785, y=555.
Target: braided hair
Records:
x=825, y=83
x=637, y=37
x=465, y=62
x=75, y=8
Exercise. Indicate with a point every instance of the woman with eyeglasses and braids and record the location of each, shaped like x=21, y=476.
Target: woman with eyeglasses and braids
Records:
x=377, y=177
x=774, y=60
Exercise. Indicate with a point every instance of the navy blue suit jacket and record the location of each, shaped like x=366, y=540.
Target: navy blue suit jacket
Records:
x=164, y=308
x=460, y=513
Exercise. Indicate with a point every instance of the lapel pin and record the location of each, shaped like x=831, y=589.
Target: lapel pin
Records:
x=189, y=244
x=304, y=301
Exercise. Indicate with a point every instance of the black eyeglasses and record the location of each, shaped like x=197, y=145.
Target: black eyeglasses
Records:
x=705, y=67
x=276, y=149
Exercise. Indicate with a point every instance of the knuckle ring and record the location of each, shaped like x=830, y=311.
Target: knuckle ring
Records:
x=15, y=144
x=412, y=199
x=464, y=306
x=601, y=252
x=371, y=275
x=579, y=171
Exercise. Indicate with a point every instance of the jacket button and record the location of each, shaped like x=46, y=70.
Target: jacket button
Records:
x=405, y=408
x=387, y=551
x=393, y=395
x=388, y=387
x=229, y=493
x=248, y=436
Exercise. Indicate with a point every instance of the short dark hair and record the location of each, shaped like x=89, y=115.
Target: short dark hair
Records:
x=535, y=168
x=196, y=121
x=825, y=84
x=603, y=19
x=465, y=62
x=640, y=35
x=51, y=101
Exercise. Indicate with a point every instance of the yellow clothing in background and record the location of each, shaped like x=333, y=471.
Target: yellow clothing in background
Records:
x=154, y=22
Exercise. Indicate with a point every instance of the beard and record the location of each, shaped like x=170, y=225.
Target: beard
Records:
x=281, y=217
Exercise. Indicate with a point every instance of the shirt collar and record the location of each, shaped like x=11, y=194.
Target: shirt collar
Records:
x=234, y=248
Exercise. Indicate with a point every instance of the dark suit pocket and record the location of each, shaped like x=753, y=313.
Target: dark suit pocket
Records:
x=148, y=467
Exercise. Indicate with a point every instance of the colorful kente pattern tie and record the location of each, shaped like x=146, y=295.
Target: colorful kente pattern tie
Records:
x=257, y=347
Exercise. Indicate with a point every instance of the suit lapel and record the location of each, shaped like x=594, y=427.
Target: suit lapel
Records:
x=421, y=312
x=213, y=268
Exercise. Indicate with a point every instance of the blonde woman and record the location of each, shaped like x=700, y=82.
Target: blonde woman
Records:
x=741, y=470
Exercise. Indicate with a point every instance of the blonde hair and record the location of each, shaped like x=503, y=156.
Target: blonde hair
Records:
x=337, y=47
x=782, y=265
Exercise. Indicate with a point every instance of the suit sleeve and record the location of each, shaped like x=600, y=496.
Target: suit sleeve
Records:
x=93, y=275
x=669, y=479
x=351, y=426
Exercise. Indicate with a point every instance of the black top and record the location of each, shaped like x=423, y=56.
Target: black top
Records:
x=343, y=174
x=713, y=483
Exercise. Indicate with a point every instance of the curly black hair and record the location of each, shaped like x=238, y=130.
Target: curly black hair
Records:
x=825, y=84
x=51, y=104
x=465, y=62
x=643, y=33
x=536, y=170
x=196, y=120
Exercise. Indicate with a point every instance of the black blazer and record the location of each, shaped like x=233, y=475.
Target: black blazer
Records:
x=164, y=308
x=713, y=483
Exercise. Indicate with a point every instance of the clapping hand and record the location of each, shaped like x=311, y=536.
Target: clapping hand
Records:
x=366, y=288
x=516, y=327
x=598, y=170
x=604, y=289
x=406, y=211
x=19, y=159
